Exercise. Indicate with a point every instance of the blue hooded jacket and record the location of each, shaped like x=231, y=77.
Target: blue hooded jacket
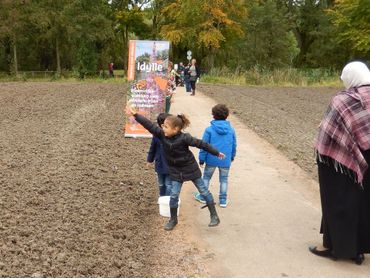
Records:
x=222, y=136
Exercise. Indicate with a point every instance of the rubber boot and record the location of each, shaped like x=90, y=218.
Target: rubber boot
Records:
x=214, y=217
x=173, y=220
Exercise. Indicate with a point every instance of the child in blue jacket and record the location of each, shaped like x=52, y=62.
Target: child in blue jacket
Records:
x=221, y=135
x=156, y=154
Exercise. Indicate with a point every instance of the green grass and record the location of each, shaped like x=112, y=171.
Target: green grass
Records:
x=253, y=77
x=65, y=77
x=277, y=77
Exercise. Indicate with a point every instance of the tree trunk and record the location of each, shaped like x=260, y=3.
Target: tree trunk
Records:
x=211, y=59
x=125, y=49
x=15, y=59
x=58, y=56
x=154, y=27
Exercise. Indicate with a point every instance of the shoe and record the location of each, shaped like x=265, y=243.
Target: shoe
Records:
x=322, y=253
x=359, y=259
x=223, y=203
x=170, y=224
x=173, y=220
x=214, y=217
x=199, y=198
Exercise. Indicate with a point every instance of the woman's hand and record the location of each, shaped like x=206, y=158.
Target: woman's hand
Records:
x=221, y=156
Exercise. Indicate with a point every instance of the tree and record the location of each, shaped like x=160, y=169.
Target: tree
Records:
x=352, y=18
x=269, y=41
x=313, y=30
x=92, y=32
x=129, y=19
x=202, y=24
x=311, y=15
x=49, y=17
x=157, y=17
x=12, y=23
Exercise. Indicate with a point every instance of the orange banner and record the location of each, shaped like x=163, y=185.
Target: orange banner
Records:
x=147, y=69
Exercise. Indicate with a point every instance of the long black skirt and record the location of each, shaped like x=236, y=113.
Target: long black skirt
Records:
x=345, y=212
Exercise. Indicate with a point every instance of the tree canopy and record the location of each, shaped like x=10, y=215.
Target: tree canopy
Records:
x=85, y=35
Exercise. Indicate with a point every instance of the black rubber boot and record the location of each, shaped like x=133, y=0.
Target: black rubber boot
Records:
x=173, y=220
x=359, y=259
x=214, y=217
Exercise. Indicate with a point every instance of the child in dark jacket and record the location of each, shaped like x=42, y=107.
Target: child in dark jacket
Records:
x=156, y=154
x=221, y=135
x=181, y=161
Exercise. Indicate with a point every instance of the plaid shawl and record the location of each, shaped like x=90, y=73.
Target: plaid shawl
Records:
x=345, y=131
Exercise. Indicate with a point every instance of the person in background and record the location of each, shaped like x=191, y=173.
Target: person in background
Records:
x=221, y=135
x=187, y=78
x=156, y=154
x=171, y=86
x=180, y=76
x=343, y=155
x=194, y=73
x=111, y=69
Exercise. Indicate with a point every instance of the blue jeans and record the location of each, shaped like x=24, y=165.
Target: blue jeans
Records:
x=199, y=184
x=164, y=183
x=187, y=86
x=223, y=177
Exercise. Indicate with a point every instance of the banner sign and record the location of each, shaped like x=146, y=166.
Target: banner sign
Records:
x=147, y=71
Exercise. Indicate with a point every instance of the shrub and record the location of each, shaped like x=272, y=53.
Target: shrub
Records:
x=260, y=76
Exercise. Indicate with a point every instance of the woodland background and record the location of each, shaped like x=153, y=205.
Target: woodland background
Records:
x=83, y=36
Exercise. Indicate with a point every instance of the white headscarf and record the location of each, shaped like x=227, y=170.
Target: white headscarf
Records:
x=355, y=74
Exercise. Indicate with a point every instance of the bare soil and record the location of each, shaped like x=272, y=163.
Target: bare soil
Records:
x=286, y=117
x=75, y=197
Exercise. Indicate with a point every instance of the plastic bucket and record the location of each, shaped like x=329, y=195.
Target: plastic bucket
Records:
x=164, y=206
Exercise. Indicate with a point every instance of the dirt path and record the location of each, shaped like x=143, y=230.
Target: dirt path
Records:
x=273, y=216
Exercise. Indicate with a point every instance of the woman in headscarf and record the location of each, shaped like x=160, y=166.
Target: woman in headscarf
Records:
x=343, y=157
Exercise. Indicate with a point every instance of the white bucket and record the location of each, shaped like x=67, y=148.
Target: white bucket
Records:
x=164, y=206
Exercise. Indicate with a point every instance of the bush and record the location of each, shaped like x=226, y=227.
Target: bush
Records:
x=260, y=76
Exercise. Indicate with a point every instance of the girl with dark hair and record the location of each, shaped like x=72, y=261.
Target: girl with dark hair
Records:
x=181, y=161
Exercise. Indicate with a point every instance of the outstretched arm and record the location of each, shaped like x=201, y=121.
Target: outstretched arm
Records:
x=203, y=153
x=175, y=72
x=146, y=123
x=200, y=144
x=149, y=125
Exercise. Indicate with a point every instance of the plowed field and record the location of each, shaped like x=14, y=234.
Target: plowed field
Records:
x=75, y=197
